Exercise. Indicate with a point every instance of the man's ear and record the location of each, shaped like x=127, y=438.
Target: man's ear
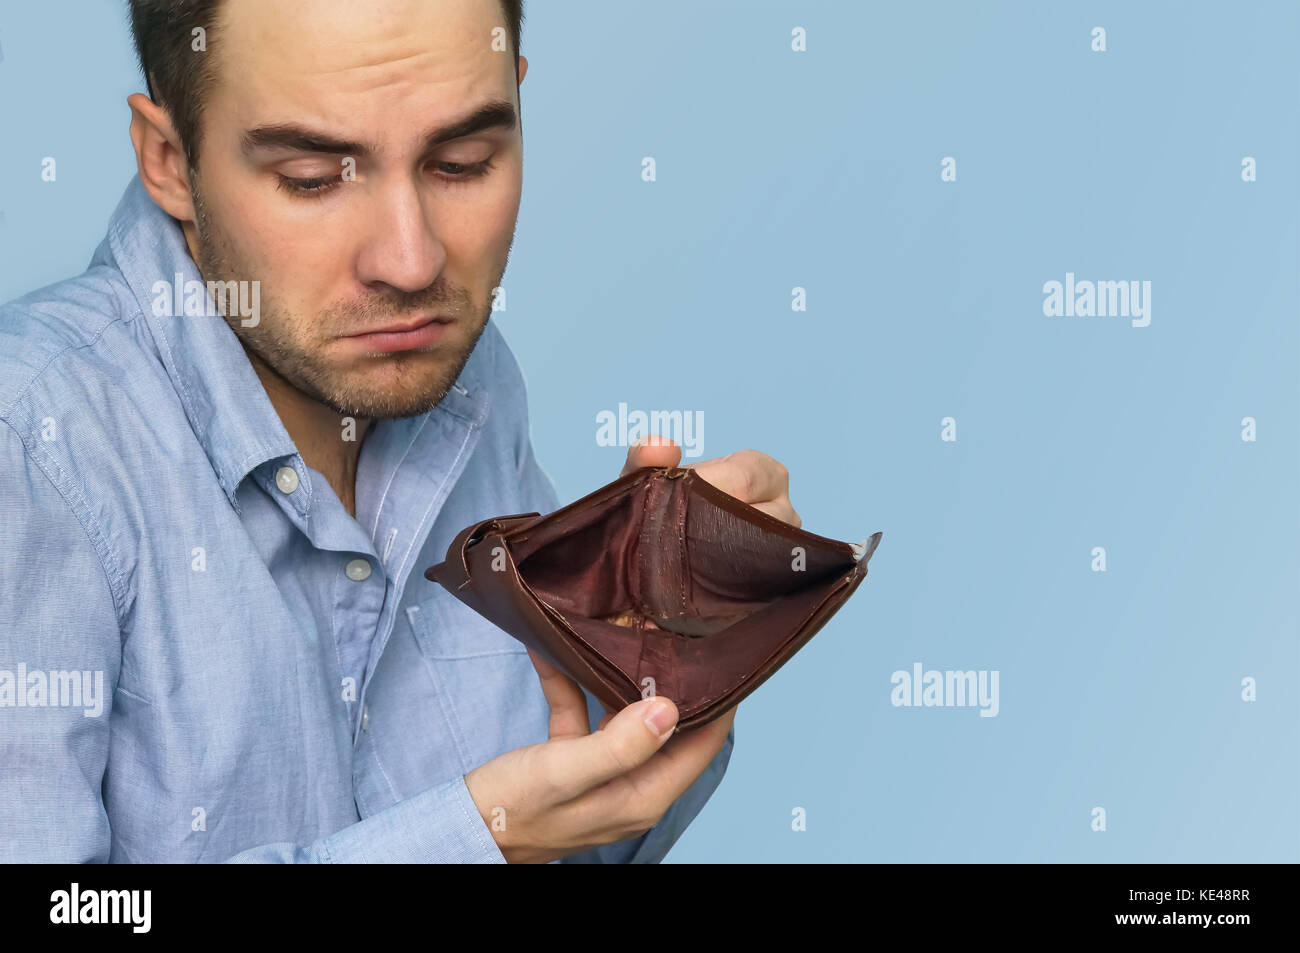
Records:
x=523, y=67
x=159, y=157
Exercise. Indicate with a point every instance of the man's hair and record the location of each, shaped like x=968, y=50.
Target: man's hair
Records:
x=178, y=77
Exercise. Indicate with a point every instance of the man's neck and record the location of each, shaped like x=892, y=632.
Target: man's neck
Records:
x=328, y=443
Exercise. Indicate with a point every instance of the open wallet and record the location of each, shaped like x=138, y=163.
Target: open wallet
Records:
x=658, y=583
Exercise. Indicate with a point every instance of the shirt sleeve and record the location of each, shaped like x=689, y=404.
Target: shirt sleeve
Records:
x=58, y=624
x=439, y=826
x=59, y=618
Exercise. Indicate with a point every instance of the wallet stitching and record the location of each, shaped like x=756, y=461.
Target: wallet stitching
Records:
x=684, y=562
x=680, y=505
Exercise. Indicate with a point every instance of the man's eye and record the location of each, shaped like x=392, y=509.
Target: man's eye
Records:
x=308, y=187
x=319, y=185
x=460, y=171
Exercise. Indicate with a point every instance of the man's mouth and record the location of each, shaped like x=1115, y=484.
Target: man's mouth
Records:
x=402, y=335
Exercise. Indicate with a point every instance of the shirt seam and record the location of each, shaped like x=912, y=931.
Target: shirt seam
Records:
x=32, y=381
x=374, y=751
x=437, y=494
x=449, y=716
x=475, y=822
x=383, y=499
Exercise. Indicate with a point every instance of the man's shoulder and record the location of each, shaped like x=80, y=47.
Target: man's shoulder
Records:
x=69, y=333
x=84, y=399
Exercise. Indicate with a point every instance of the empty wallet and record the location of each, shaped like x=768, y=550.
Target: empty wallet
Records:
x=658, y=583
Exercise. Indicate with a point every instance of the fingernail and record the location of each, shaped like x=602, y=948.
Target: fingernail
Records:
x=660, y=719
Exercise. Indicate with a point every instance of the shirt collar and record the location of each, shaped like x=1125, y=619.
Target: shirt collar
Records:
x=223, y=397
x=224, y=400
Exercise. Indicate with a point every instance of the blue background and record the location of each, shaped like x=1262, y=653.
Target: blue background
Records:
x=820, y=169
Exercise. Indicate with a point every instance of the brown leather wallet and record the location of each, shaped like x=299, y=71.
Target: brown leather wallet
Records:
x=658, y=583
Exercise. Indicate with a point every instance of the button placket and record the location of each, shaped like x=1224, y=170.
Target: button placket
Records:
x=359, y=569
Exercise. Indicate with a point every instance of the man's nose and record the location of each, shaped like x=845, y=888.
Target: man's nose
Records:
x=402, y=248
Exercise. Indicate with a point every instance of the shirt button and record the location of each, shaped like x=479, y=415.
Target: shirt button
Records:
x=286, y=478
x=358, y=570
x=365, y=717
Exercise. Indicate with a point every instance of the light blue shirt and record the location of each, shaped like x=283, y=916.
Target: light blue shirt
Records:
x=162, y=539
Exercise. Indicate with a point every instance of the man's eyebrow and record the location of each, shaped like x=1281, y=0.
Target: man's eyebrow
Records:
x=498, y=114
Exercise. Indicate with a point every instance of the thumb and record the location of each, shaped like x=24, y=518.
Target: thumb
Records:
x=626, y=741
x=652, y=451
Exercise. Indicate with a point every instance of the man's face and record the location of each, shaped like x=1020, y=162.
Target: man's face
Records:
x=308, y=94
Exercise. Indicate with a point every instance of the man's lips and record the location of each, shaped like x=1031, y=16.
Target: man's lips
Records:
x=402, y=336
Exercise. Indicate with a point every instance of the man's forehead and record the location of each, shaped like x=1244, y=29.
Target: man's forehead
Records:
x=339, y=65
x=358, y=46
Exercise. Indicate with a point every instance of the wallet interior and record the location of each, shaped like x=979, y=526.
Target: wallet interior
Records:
x=664, y=581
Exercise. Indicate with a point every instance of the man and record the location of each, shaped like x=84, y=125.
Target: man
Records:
x=216, y=641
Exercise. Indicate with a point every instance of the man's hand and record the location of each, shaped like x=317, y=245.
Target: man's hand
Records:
x=749, y=476
x=583, y=789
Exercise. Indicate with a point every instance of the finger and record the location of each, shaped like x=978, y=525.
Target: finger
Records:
x=652, y=451
x=781, y=509
x=625, y=742
x=748, y=475
x=568, y=705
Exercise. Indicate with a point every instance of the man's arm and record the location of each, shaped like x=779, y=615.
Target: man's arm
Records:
x=403, y=833
x=58, y=613
x=438, y=826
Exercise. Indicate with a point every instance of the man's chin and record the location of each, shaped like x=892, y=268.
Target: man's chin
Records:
x=365, y=399
x=400, y=383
